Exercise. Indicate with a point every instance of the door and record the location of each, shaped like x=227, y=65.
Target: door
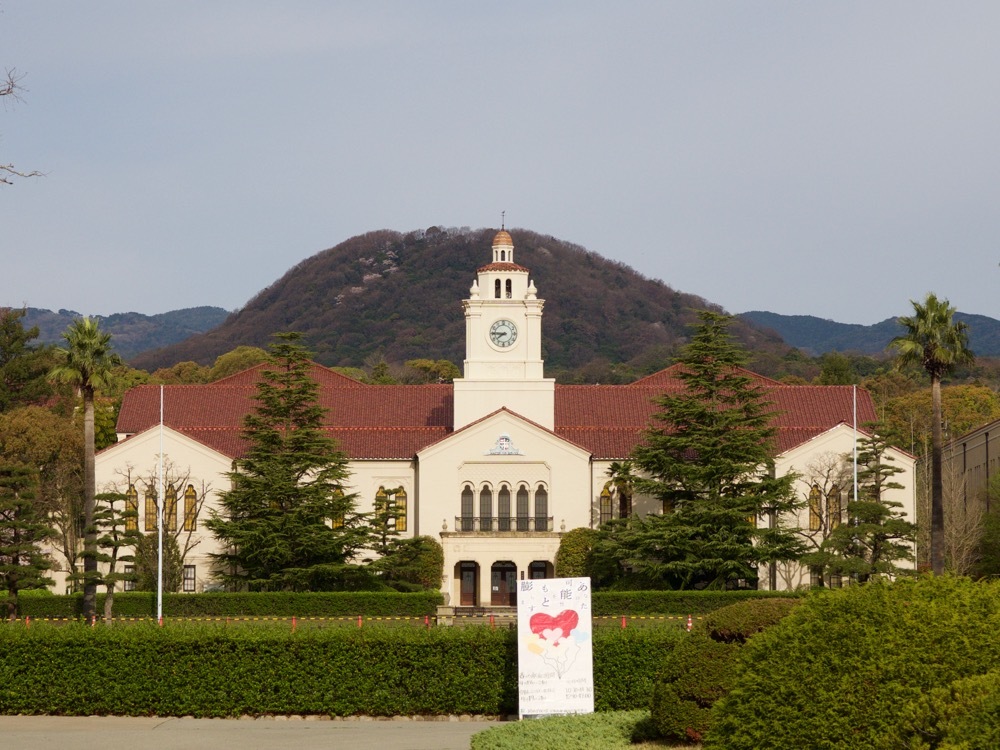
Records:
x=503, y=582
x=468, y=574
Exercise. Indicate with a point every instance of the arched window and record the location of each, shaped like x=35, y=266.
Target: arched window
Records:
x=131, y=509
x=337, y=520
x=522, y=508
x=170, y=510
x=503, y=508
x=485, y=509
x=503, y=255
x=190, y=509
x=150, y=509
x=400, y=504
x=510, y=289
x=605, y=505
x=383, y=513
x=815, y=512
x=541, y=509
x=496, y=289
x=833, y=511
x=468, y=522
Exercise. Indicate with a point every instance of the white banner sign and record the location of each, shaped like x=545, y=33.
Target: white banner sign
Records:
x=555, y=654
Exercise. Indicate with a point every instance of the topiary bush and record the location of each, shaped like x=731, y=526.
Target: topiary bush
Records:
x=573, y=558
x=737, y=622
x=692, y=678
x=963, y=716
x=840, y=668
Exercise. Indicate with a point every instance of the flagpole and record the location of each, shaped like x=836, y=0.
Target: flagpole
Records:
x=855, y=414
x=160, y=496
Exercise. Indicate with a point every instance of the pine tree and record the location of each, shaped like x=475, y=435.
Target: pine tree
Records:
x=23, y=530
x=287, y=523
x=117, y=532
x=708, y=458
x=876, y=535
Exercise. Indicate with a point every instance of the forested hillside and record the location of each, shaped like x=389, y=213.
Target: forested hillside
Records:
x=817, y=336
x=131, y=333
x=398, y=296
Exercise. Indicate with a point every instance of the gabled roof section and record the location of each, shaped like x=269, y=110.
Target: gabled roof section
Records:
x=610, y=420
x=373, y=422
x=505, y=410
x=322, y=375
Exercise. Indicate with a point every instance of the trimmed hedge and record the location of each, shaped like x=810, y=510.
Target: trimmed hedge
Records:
x=839, y=670
x=611, y=603
x=737, y=622
x=274, y=604
x=210, y=670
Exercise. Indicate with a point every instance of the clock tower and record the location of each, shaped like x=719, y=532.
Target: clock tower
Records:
x=503, y=344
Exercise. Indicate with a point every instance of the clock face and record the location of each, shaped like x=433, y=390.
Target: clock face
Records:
x=503, y=333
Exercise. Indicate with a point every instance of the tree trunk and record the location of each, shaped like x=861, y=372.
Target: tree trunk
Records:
x=89, y=530
x=937, y=486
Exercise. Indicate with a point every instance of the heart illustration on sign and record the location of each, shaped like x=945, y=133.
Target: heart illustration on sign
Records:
x=551, y=628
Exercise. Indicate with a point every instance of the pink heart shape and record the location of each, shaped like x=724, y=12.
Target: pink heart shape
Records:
x=564, y=622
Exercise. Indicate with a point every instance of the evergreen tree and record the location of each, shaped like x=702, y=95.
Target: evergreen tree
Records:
x=22, y=366
x=287, y=523
x=117, y=532
x=22, y=532
x=708, y=458
x=876, y=535
x=147, y=556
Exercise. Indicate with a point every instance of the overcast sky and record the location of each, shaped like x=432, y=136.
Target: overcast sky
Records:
x=832, y=159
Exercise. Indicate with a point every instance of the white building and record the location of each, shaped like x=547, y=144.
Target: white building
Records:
x=496, y=466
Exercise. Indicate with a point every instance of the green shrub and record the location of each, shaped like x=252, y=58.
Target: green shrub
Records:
x=626, y=663
x=692, y=678
x=737, y=622
x=964, y=715
x=573, y=557
x=838, y=670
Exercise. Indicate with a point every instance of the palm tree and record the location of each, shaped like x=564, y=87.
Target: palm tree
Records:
x=937, y=343
x=87, y=362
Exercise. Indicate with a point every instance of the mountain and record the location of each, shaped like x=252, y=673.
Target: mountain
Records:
x=399, y=296
x=131, y=333
x=817, y=336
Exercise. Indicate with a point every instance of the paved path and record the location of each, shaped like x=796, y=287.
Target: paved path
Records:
x=136, y=733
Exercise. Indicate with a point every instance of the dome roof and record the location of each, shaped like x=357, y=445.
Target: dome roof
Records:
x=503, y=238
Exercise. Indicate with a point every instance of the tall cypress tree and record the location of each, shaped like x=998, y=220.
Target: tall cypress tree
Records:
x=287, y=523
x=23, y=529
x=709, y=458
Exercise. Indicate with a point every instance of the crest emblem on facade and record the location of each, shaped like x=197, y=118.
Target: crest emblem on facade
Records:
x=504, y=447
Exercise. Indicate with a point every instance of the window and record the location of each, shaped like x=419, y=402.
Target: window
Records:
x=401, y=499
x=189, y=578
x=170, y=509
x=150, y=509
x=522, y=508
x=485, y=509
x=337, y=520
x=468, y=522
x=833, y=503
x=190, y=509
x=605, y=505
x=538, y=569
x=815, y=518
x=503, y=508
x=383, y=511
x=624, y=504
x=510, y=289
x=816, y=576
x=496, y=289
x=131, y=509
x=541, y=509
x=129, y=584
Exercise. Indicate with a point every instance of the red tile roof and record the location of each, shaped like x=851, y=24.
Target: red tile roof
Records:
x=396, y=421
